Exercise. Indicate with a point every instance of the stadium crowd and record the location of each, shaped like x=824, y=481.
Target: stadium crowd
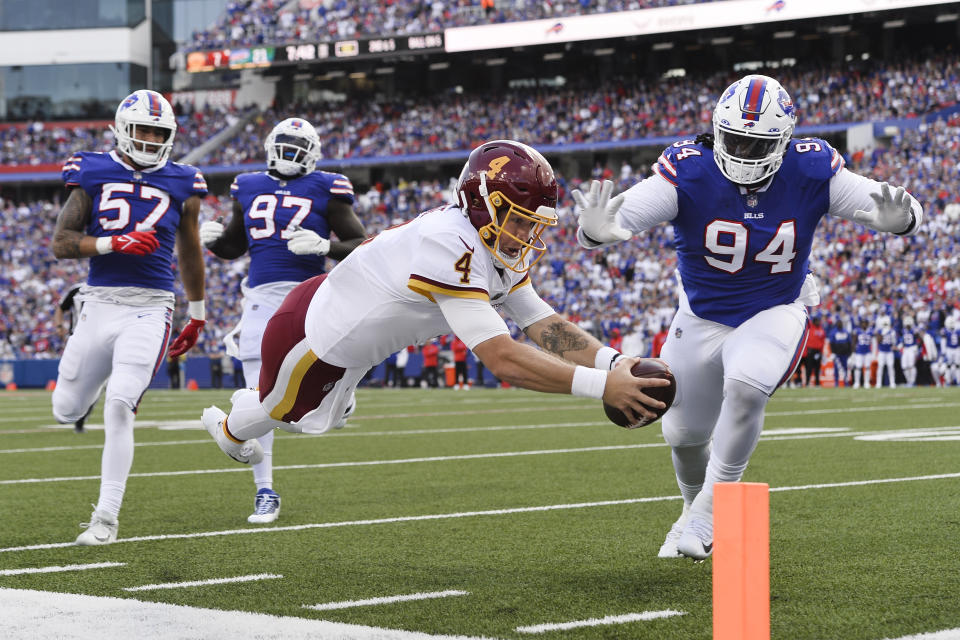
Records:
x=256, y=22
x=623, y=109
x=626, y=293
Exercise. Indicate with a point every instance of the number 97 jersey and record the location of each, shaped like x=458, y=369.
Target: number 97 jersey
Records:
x=740, y=251
x=274, y=208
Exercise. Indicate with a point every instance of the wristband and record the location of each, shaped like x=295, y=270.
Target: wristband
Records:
x=911, y=226
x=196, y=310
x=606, y=358
x=105, y=245
x=588, y=383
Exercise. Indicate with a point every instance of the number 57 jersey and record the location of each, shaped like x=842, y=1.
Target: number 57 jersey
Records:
x=740, y=251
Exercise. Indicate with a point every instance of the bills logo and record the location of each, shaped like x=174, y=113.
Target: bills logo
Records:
x=748, y=124
x=296, y=124
x=130, y=101
x=786, y=104
x=732, y=89
x=555, y=29
x=779, y=5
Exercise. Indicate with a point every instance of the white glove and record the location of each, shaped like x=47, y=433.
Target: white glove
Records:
x=893, y=214
x=304, y=242
x=598, y=218
x=210, y=232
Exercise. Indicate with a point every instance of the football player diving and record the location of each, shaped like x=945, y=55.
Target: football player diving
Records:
x=440, y=273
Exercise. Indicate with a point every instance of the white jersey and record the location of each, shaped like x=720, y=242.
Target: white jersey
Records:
x=381, y=297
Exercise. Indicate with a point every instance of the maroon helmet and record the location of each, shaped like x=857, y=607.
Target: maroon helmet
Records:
x=503, y=184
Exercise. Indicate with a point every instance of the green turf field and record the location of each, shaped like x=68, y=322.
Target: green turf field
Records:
x=511, y=509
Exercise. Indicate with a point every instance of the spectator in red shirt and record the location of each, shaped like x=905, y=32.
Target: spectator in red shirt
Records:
x=816, y=339
x=430, y=353
x=459, y=349
x=658, y=339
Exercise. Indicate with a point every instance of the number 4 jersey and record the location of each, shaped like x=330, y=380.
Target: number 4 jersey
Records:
x=740, y=251
x=274, y=208
x=126, y=199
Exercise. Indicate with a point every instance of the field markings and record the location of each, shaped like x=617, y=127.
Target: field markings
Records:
x=147, y=424
x=801, y=434
x=57, y=569
x=469, y=514
x=200, y=583
x=346, y=604
x=596, y=622
x=946, y=634
x=71, y=616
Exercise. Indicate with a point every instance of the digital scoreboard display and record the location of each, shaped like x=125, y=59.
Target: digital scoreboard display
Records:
x=300, y=53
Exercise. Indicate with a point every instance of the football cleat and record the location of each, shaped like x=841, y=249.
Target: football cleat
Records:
x=245, y=451
x=696, y=540
x=102, y=529
x=346, y=414
x=669, y=547
x=266, y=507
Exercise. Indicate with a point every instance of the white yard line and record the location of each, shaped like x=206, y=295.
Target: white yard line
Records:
x=200, y=583
x=71, y=616
x=469, y=514
x=946, y=634
x=772, y=435
x=57, y=569
x=596, y=622
x=346, y=604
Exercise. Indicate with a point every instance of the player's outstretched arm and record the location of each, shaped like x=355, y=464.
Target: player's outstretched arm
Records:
x=568, y=341
x=228, y=242
x=874, y=204
x=526, y=367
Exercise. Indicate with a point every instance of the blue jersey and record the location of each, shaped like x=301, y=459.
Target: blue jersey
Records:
x=274, y=208
x=908, y=339
x=951, y=338
x=887, y=340
x=126, y=199
x=864, y=341
x=740, y=252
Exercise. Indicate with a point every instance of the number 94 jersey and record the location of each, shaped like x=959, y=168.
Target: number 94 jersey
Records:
x=273, y=208
x=740, y=251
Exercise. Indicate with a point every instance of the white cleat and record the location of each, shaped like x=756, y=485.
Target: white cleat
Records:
x=266, y=507
x=696, y=540
x=669, y=547
x=102, y=529
x=245, y=452
x=347, y=413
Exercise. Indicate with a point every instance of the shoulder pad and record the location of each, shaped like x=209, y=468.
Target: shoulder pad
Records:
x=814, y=157
x=683, y=156
x=72, y=168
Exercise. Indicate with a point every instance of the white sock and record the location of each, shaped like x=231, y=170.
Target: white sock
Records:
x=263, y=470
x=690, y=465
x=117, y=455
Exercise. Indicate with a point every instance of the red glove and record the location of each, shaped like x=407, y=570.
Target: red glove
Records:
x=137, y=243
x=187, y=338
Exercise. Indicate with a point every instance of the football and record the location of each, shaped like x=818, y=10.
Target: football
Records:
x=646, y=369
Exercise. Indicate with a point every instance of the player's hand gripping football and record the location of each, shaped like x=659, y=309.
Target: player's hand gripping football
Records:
x=210, y=232
x=135, y=243
x=187, y=338
x=598, y=215
x=305, y=242
x=624, y=391
x=892, y=214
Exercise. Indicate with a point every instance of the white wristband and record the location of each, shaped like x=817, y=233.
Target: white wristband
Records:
x=105, y=245
x=588, y=383
x=196, y=310
x=606, y=357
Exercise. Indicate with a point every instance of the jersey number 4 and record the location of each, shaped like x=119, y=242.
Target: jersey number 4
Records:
x=779, y=252
x=264, y=207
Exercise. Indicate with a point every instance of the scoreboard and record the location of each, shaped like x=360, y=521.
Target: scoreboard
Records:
x=311, y=52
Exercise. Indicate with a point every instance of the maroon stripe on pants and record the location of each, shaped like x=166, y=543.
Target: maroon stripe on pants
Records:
x=283, y=332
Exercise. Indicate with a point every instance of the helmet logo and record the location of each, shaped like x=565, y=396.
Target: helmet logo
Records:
x=749, y=124
x=130, y=101
x=786, y=104
x=495, y=166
